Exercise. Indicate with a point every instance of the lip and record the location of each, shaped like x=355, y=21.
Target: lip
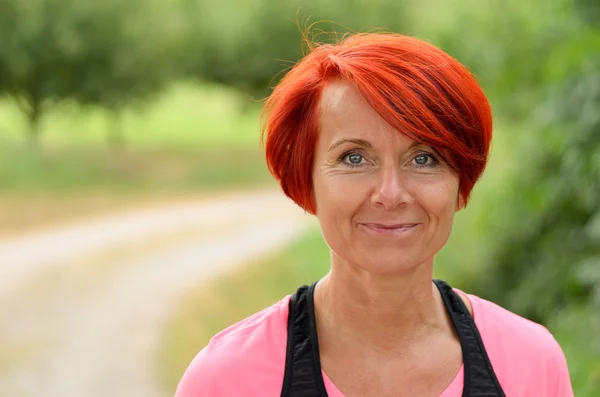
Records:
x=381, y=229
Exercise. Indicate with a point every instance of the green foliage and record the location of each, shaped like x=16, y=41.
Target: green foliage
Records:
x=192, y=138
x=31, y=47
x=514, y=47
x=185, y=116
x=250, y=48
x=552, y=225
x=545, y=257
x=124, y=50
x=105, y=52
x=90, y=169
x=589, y=10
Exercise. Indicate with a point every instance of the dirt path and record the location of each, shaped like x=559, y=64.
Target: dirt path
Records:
x=81, y=308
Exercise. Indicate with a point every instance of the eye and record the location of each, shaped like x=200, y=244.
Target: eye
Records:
x=352, y=159
x=425, y=160
x=355, y=158
x=422, y=159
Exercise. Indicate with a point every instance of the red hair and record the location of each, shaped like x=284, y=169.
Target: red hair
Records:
x=414, y=86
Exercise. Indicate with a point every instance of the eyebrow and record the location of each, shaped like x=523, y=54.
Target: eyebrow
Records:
x=361, y=142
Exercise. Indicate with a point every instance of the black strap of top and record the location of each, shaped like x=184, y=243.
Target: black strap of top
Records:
x=479, y=377
x=303, y=376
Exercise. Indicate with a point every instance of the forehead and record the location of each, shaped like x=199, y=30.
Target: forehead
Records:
x=338, y=91
x=344, y=112
x=340, y=99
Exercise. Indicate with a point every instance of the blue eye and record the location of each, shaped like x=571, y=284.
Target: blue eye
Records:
x=355, y=158
x=352, y=159
x=425, y=160
x=421, y=159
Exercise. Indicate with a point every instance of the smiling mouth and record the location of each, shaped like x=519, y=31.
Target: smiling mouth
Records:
x=390, y=230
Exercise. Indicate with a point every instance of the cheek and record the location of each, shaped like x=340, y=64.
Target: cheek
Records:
x=439, y=198
x=337, y=200
x=337, y=194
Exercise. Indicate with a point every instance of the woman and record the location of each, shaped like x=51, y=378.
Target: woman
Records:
x=382, y=137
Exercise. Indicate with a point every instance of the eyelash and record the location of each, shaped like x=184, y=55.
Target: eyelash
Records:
x=434, y=160
x=347, y=154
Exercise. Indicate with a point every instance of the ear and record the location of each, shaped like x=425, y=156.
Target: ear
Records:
x=460, y=202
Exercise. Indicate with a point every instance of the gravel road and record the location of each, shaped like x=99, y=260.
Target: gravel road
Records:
x=82, y=307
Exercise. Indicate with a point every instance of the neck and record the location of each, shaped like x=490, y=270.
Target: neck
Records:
x=382, y=312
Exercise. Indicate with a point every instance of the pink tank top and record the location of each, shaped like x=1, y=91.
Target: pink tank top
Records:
x=248, y=358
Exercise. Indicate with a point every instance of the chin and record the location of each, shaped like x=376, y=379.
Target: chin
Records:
x=389, y=265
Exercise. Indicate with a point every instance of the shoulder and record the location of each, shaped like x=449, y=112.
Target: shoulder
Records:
x=247, y=358
x=525, y=355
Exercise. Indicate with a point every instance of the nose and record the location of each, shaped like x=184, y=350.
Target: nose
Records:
x=390, y=190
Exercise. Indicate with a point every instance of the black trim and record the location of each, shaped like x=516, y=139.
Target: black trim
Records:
x=303, y=375
x=467, y=331
x=313, y=336
x=483, y=351
x=453, y=310
x=289, y=351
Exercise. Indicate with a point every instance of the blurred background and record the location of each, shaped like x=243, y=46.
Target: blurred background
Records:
x=137, y=216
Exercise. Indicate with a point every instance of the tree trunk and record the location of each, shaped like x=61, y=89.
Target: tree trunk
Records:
x=34, y=115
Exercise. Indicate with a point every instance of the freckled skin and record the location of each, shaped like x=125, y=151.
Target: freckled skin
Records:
x=387, y=179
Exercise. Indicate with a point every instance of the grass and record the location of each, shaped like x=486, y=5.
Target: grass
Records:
x=90, y=168
x=44, y=186
x=187, y=115
x=193, y=139
x=234, y=296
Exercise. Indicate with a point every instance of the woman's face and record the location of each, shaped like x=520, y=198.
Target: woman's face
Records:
x=385, y=202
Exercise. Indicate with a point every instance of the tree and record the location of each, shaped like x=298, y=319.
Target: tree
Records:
x=251, y=49
x=32, y=55
x=544, y=262
x=107, y=52
x=132, y=56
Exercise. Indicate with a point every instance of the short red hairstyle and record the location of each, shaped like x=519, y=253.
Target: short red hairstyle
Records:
x=417, y=88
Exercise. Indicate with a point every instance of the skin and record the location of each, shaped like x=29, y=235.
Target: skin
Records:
x=385, y=205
